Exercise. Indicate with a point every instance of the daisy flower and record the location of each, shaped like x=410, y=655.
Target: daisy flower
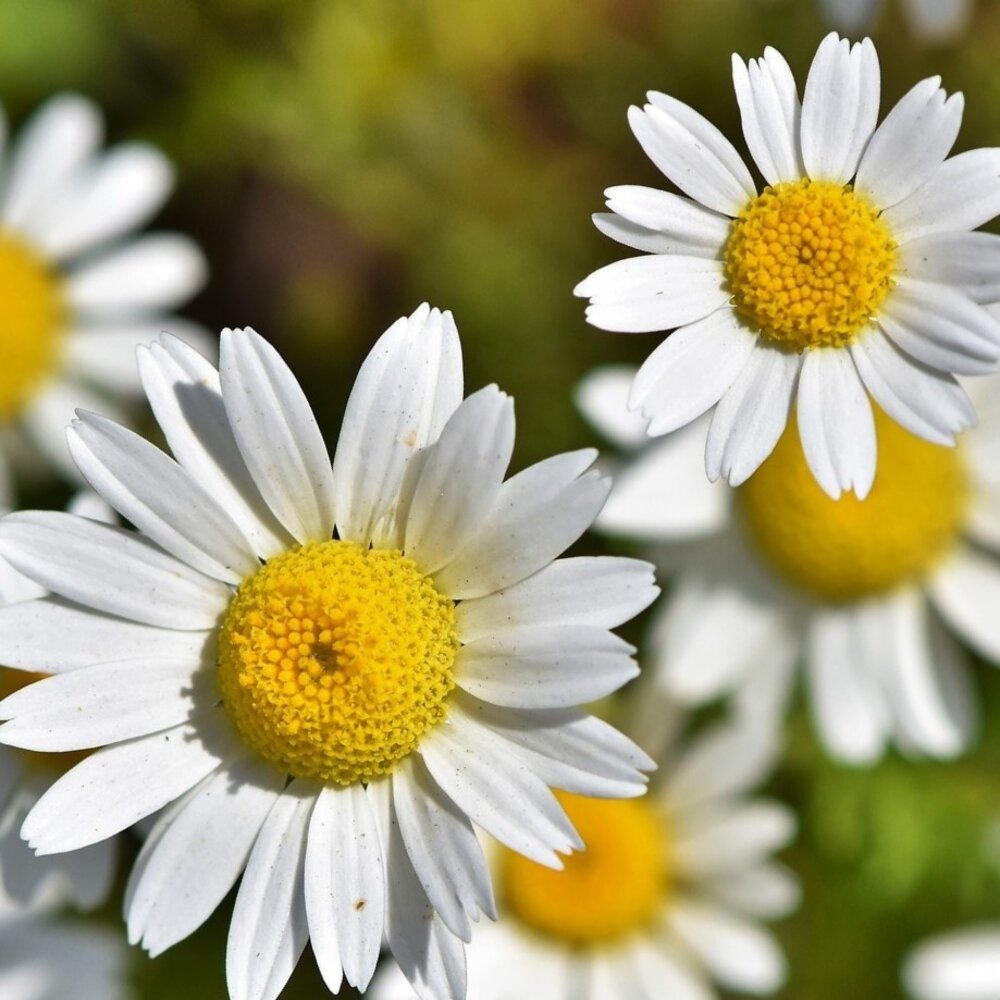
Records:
x=78, y=291
x=932, y=20
x=666, y=901
x=325, y=674
x=83, y=878
x=961, y=965
x=855, y=273
x=869, y=595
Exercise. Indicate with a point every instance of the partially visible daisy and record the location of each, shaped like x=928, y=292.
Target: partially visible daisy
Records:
x=326, y=674
x=855, y=273
x=83, y=878
x=960, y=965
x=867, y=595
x=666, y=901
x=932, y=20
x=78, y=292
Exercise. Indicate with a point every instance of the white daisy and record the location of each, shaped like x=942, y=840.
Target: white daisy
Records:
x=961, y=965
x=856, y=272
x=666, y=900
x=328, y=672
x=932, y=20
x=867, y=594
x=83, y=878
x=78, y=291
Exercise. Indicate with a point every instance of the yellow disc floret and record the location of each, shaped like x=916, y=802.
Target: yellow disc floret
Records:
x=844, y=549
x=31, y=321
x=334, y=660
x=809, y=263
x=613, y=888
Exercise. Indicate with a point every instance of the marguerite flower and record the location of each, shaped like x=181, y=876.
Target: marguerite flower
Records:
x=78, y=292
x=855, y=273
x=961, y=965
x=83, y=878
x=932, y=20
x=666, y=899
x=867, y=593
x=326, y=674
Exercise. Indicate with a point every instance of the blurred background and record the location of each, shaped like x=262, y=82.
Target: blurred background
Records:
x=340, y=162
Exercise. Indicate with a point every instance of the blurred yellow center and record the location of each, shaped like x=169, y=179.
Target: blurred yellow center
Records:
x=608, y=891
x=56, y=763
x=809, y=263
x=845, y=549
x=31, y=321
x=334, y=660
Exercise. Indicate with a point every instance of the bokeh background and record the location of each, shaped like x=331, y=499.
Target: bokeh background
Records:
x=343, y=160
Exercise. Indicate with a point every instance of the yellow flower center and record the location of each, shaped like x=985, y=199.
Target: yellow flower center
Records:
x=809, y=263
x=334, y=660
x=608, y=891
x=54, y=763
x=841, y=550
x=32, y=318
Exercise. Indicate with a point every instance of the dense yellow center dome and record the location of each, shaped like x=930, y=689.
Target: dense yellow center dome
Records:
x=809, y=263
x=334, y=660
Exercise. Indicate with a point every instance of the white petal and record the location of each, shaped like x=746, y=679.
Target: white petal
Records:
x=693, y=154
x=52, y=635
x=684, y=226
x=459, y=479
x=443, y=848
x=927, y=402
x=407, y=388
x=602, y=397
x=909, y=147
x=966, y=589
x=61, y=136
x=739, y=954
x=602, y=591
x=111, y=570
x=159, y=271
x=836, y=425
x=962, y=965
x=691, y=371
x=639, y=238
x=496, y=791
x=268, y=931
x=751, y=416
x=664, y=494
x=116, y=787
x=962, y=195
x=848, y=704
x=663, y=973
x=770, y=112
x=941, y=327
x=546, y=666
x=105, y=703
x=345, y=884
x=277, y=435
x=566, y=748
x=429, y=955
x=196, y=851
x=839, y=108
x=968, y=262
x=160, y=498
x=183, y=391
x=538, y=514
x=768, y=891
x=655, y=292
x=118, y=193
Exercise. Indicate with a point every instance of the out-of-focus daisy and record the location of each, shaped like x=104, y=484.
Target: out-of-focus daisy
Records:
x=961, y=965
x=329, y=672
x=78, y=291
x=666, y=899
x=855, y=273
x=83, y=878
x=867, y=593
x=932, y=20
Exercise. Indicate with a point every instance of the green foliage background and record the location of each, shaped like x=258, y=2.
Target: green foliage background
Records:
x=343, y=160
